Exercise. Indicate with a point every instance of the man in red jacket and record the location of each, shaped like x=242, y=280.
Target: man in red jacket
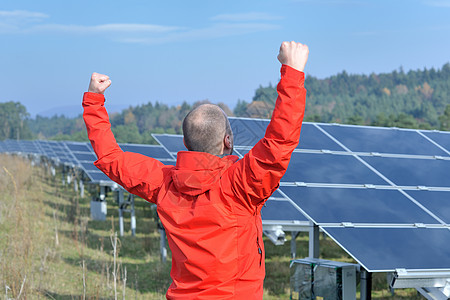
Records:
x=210, y=203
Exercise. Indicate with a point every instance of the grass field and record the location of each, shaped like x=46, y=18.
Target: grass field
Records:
x=50, y=249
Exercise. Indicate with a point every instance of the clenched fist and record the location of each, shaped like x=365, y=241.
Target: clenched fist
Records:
x=294, y=55
x=99, y=83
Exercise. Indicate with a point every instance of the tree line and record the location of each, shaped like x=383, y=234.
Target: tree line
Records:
x=413, y=99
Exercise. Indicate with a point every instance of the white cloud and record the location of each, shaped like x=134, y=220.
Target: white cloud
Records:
x=22, y=14
x=207, y=33
x=246, y=17
x=438, y=3
x=24, y=22
x=13, y=21
x=104, y=28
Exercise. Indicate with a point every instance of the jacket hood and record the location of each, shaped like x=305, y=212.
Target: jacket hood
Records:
x=197, y=172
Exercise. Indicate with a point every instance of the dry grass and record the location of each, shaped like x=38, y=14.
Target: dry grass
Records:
x=49, y=248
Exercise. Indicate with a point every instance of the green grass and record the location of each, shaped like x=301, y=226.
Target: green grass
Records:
x=47, y=237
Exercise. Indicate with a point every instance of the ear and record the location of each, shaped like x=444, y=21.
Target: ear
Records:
x=184, y=143
x=227, y=142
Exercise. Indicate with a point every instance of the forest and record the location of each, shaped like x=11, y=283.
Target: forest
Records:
x=413, y=99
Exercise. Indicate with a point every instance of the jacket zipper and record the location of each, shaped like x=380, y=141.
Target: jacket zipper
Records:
x=257, y=239
x=259, y=250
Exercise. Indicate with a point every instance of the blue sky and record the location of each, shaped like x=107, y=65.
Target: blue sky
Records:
x=175, y=51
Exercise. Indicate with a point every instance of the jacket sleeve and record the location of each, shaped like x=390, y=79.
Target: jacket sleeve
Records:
x=138, y=174
x=257, y=175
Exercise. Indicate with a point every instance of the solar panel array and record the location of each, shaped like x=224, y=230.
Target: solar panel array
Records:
x=383, y=194
x=79, y=155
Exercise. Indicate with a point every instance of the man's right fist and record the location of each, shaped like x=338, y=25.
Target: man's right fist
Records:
x=99, y=83
x=294, y=55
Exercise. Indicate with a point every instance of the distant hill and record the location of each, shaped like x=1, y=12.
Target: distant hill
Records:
x=73, y=111
x=413, y=99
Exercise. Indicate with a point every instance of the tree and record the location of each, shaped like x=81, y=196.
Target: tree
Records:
x=13, y=125
x=444, y=119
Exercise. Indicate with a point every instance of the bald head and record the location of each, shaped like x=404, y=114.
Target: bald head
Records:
x=207, y=129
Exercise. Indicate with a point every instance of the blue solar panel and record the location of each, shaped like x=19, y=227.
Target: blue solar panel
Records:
x=441, y=138
x=80, y=147
x=29, y=147
x=413, y=172
x=438, y=202
x=247, y=132
x=328, y=168
x=173, y=143
x=88, y=166
x=337, y=205
x=385, y=249
x=313, y=138
x=85, y=156
x=382, y=140
x=153, y=151
x=276, y=210
x=98, y=176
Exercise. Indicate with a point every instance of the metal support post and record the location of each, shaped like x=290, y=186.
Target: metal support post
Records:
x=314, y=241
x=63, y=175
x=294, y=235
x=366, y=285
x=133, y=216
x=81, y=188
x=163, y=245
x=102, y=193
x=120, y=202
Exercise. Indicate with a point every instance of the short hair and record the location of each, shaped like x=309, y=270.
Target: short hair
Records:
x=204, y=129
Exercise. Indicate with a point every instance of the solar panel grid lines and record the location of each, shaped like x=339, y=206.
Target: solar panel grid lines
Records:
x=171, y=143
x=434, y=143
x=426, y=213
x=408, y=248
x=442, y=138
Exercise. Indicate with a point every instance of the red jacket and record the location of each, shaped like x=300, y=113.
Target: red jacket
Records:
x=209, y=206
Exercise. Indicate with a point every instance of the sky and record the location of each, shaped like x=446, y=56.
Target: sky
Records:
x=174, y=51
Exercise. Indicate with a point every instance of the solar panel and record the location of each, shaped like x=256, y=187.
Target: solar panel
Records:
x=357, y=205
x=382, y=140
x=80, y=147
x=438, y=202
x=29, y=147
x=97, y=177
x=413, y=172
x=328, y=168
x=153, y=151
x=439, y=137
x=386, y=249
x=312, y=137
x=85, y=156
x=247, y=132
x=281, y=210
x=173, y=143
x=375, y=182
x=88, y=166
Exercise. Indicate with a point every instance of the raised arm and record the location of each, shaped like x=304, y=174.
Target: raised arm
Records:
x=138, y=174
x=255, y=177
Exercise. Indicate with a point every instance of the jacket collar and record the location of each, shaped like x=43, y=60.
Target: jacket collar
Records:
x=197, y=172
